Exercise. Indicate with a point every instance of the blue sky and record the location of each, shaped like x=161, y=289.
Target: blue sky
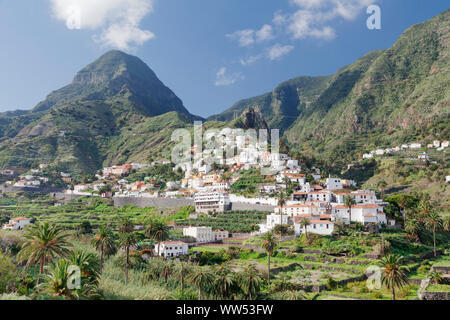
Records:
x=211, y=53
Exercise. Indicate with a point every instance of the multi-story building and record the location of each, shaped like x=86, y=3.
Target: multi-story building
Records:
x=362, y=213
x=200, y=234
x=169, y=249
x=207, y=202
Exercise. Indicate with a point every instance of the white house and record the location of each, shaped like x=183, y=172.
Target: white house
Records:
x=17, y=223
x=272, y=221
x=298, y=209
x=220, y=234
x=200, y=234
x=292, y=164
x=334, y=184
x=323, y=196
x=322, y=227
x=169, y=249
x=415, y=146
x=212, y=202
x=362, y=213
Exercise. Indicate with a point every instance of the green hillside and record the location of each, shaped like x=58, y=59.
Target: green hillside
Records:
x=385, y=98
x=115, y=110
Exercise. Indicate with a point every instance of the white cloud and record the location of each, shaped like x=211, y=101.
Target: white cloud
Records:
x=265, y=33
x=249, y=36
x=314, y=17
x=118, y=19
x=224, y=79
x=244, y=37
x=278, y=51
x=250, y=60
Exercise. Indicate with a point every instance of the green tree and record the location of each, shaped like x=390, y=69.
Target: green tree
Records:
x=157, y=230
x=349, y=202
x=104, y=243
x=182, y=271
x=433, y=223
x=269, y=244
x=382, y=186
x=88, y=264
x=393, y=272
x=250, y=281
x=43, y=243
x=304, y=223
x=127, y=240
x=8, y=272
x=413, y=227
x=435, y=277
x=282, y=198
x=225, y=281
x=126, y=226
x=203, y=280
x=56, y=281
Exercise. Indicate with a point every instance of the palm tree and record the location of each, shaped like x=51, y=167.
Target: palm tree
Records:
x=435, y=277
x=126, y=226
x=127, y=240
x=56, y=281
x=394, y=274
x=413, y=227
x=166, y=270
x=157, y=231
x=182, y=270
x=43, y=243
x=250, y=281
x=104, y=242
x=269, y=244
x=225, y=280
x=403, y=203
x=433, y=223
x=88, y=264
x=446, y=223
x=304, y=224
x=349, y=202
x=202, y=279
x=382, y=186
x=281, y=203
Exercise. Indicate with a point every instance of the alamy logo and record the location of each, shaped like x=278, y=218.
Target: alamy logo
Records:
x=374, y=278
x=74, y=18
x=74, y=280
x=227, y=147
x=374, y=21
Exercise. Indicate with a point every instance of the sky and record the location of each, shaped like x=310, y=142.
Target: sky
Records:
x=211, y=53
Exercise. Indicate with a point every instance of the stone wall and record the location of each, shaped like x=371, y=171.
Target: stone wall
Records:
x=160, y=203
x=238, y=206
x=164, y=203
x=427, y=295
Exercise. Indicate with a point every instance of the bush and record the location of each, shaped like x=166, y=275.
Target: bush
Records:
x=331, y=283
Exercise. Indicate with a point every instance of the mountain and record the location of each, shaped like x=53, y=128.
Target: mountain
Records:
x=118, y=76
x=385, y=98
x=281, y=107
x=116, y=109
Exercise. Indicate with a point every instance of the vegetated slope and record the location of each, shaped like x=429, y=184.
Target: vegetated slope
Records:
x=281, y=107
x=385, y=98
x=115, y=109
